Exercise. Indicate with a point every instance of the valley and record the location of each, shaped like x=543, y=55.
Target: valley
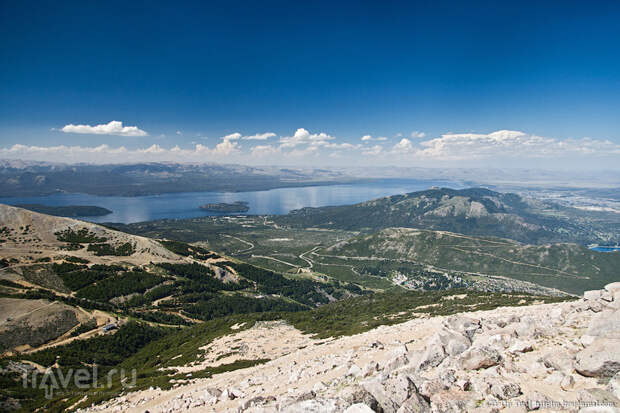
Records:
x=173, y=298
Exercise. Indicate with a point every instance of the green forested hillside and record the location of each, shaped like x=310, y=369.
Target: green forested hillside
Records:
x=474, y=211
x=567, y=267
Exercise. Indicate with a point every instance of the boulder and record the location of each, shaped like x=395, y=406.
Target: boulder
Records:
x=312, y=406
x=370, y=368
x=358, y=395
x=598, y=396
x=452, y=401
x=567, y=382
x=592, y=295
x=614, y=385
x=480, y=357
x=605, y=324
x=600, y=359
x=505, y=390
x=319, y=386
x=454, y=342
x=526, y=327
x=396, y=363
x=463, y=325
x=392, y=392
x=536, y=400
x=359, y=408
x=433, y=354
x=429, y=387
x=354, y=371
x=613, y=288
x=521, y=346
x=560, y=360
x=415, y=404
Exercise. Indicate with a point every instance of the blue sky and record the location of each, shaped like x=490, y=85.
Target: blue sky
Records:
x=190, y=74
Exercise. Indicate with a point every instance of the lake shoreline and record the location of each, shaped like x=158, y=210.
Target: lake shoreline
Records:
x=277, y=201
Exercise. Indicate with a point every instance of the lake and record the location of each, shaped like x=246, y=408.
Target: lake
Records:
x=275, y=201
x=605, y=249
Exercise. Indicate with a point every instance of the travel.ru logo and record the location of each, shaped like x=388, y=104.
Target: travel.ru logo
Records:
x=55, y=380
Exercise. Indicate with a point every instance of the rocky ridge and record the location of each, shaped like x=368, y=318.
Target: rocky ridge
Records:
x=547, y=357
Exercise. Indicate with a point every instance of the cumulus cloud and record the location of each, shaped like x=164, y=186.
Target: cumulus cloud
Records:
x=502, y=144
x=232, y=136
x=404, y=146
x=303, y=137
x=261, y=151
x=368, y=138
x=112, y=128
x=259, y=136
x=513, y=144
x=373, y=151
x=491, y=148
x=417, y=134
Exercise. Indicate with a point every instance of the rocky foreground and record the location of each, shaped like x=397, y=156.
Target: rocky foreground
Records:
x=550, y=357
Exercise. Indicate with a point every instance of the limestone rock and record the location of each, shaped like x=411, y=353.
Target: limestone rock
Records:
x=358, y=395
x=396, y=363
x=505, y=390
x=433, y=354
x=359, y=408
x=462, y=324
x=614, y=385
x=605, y=324
x=480, y=357
x=592, y=295
x=599, y=396
x=600, y=359
x=521, y=346
x=451, y=401
x=415, y=404
x=312, y=406
x=392, y=392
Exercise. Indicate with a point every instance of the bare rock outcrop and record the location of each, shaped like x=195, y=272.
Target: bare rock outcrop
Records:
x=550, y=357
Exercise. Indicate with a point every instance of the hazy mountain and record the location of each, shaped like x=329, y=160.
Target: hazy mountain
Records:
x=21, y=178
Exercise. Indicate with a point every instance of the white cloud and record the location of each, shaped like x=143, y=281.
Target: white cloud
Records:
x=261, y=151
x=344, y=145
x=373, y=151
x=504, y=147
x=303, y=137
x=152, y=149
x=367, y=138
x=503, y=144
x=259, y=136
x=226, y=147
x=179, y=132
x=404, y=146
x=232, y=136
x=417, y=134
x=112, y=128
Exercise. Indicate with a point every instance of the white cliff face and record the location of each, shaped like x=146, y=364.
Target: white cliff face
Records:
x=550, y=357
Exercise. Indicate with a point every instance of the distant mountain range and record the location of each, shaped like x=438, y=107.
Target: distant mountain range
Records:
x=474, y=211
x=22, y=178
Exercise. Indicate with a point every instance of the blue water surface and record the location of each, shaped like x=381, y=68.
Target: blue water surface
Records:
x=605, y=249
x=185, y=205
